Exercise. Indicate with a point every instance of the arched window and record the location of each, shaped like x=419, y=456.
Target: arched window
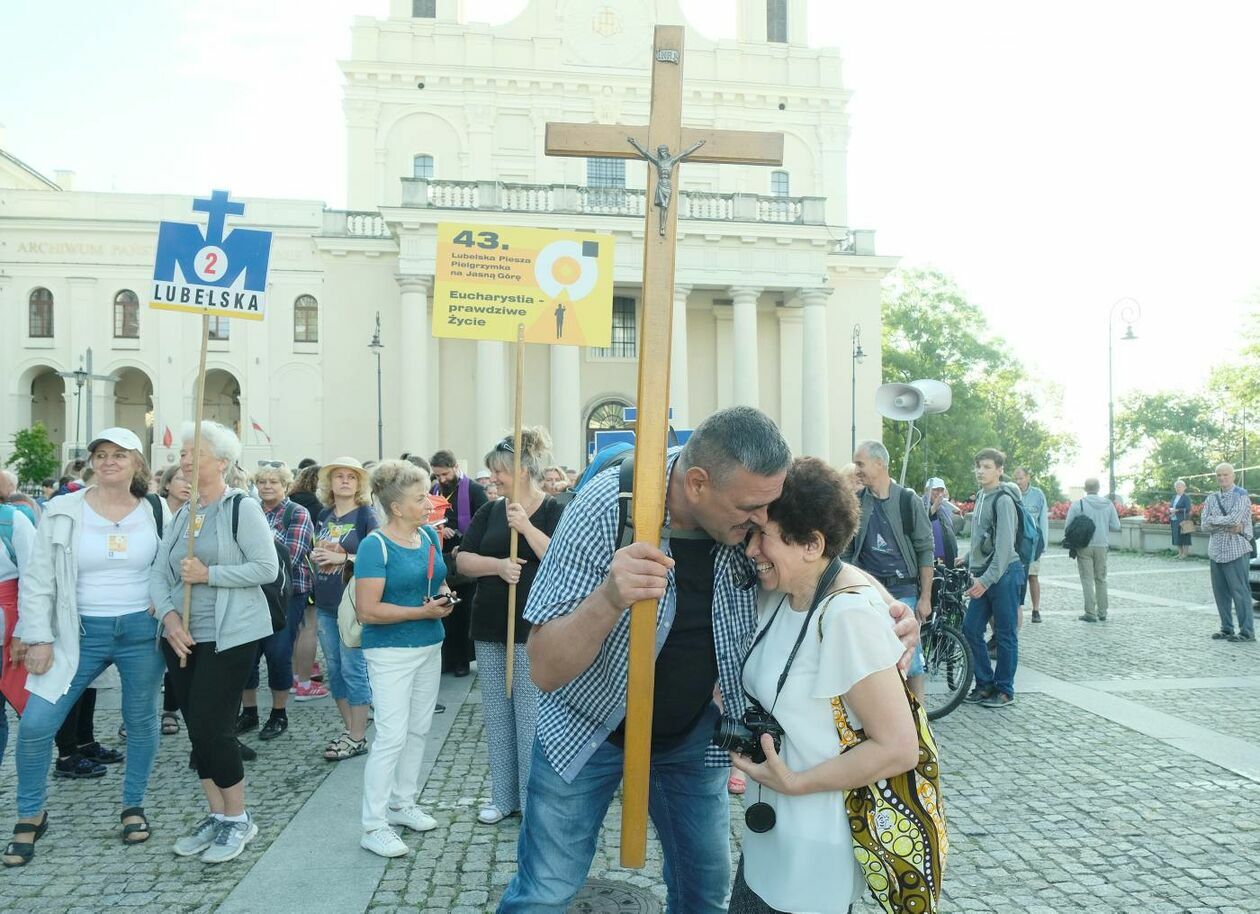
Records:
x=779, y=184
x=126, y=316
x=41, y=314
x=422, y=167
x=306, y=319
x=606, y=416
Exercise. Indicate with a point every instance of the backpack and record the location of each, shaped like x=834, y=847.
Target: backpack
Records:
x=1078, y=534
x=278, y=591
x=1028, y=543
x=155, y=504
x=6, y=531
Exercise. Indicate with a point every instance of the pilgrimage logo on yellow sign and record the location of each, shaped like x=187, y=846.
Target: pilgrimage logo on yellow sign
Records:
x=492, y=278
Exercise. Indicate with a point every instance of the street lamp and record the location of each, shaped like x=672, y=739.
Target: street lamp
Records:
x=376, y=346
x=1129, y=313
x=84, y=376
x=858, y=357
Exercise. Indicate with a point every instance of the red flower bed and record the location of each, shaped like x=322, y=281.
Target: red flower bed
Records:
x=1059, y=510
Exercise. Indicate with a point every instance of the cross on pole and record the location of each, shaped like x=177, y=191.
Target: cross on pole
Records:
x=217, y=209
x=664, y=142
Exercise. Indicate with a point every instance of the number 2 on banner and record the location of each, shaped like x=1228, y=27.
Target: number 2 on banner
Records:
x=211, y=263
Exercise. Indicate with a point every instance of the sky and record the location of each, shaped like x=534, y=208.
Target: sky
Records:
x=1052, y=158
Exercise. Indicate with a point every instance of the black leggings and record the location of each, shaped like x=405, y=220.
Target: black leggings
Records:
x=208, y=691
x=76, y=730
x=169, y=702
x=745, y=901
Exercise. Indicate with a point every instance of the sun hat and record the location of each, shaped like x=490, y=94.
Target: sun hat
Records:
x=123, y=437
x=342, y=463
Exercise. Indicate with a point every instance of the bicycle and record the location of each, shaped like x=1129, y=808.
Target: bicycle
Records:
x=948, y=665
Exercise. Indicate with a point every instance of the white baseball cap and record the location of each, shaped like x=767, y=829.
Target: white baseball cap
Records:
x=123, y=437
x=935, y=483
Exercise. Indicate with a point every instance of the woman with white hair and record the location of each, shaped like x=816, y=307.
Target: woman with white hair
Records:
x=209, y=661
x=1178, y=511
x=84, y=600
x=401, y=597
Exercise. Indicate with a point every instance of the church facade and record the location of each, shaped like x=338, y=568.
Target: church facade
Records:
x=445, y=122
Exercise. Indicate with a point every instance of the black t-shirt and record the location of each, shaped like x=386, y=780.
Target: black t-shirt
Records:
x=488, y=535
x=686, y=667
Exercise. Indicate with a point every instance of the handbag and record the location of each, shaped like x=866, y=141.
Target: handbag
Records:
x=1188, y=526
x=898, y=824
x=348, y=624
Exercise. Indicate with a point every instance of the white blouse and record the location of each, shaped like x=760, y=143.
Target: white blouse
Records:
x=805, y=863
x=114, y=560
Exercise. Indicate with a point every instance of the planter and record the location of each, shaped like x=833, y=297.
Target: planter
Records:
x=1136, y=535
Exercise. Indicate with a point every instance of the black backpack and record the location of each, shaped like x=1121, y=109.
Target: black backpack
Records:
x=278, y=591
x=1078, y=533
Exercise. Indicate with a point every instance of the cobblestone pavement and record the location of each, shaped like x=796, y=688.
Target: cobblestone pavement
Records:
x=1051, y=808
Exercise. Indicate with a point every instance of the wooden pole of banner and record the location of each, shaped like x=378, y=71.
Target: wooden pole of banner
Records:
x=198, y=411
x=663, y=143
x=513, y=538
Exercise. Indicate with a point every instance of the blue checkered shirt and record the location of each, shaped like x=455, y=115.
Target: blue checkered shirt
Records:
x=575, y=719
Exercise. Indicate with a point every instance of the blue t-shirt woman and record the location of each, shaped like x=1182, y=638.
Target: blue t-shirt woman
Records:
x=413, y=576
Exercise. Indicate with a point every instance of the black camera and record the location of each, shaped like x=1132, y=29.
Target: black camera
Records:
x=744, y=736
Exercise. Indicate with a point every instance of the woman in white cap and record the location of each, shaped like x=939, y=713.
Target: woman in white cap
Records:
x=84, y=605
x=347, y=519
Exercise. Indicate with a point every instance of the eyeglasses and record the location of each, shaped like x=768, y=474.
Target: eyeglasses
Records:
x=271, y=463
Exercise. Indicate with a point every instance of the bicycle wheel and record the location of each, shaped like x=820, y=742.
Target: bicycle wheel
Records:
x=948, y=671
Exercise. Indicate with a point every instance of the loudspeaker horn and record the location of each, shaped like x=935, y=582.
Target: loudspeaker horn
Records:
x=937, y=395
x=899, y=401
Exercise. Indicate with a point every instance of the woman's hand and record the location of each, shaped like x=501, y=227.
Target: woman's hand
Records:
x=510, y=570
x=173, y=630
x=38, y=658
x=194, y=572
x=437, y=608
x=772, y=772
x=328, y=557
x=518, y=520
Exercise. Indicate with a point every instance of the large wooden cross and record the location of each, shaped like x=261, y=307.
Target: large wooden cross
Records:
x=664, y=142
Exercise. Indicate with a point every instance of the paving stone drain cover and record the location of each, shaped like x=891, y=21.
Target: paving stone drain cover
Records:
x=603, y=896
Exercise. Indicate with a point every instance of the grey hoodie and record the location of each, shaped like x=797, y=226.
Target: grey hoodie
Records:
x=1102, y=512
x=993, y=534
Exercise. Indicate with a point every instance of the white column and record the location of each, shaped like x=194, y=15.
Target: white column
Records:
x=792, y=400
x=566, y=406
x=723, y=366
x=491, y=405
x=815, y=388
x=746, y=378
x=415, y=397
x=678, y=393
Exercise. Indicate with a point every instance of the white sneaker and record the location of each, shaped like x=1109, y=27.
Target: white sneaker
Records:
x=489, y=815
x=230, y=840
x=200, y=837
x=384, y=842
x=412, y=817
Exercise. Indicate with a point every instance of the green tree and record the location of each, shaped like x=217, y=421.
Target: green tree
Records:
x=932, y=331
x=34, y=454
x=1176, y=435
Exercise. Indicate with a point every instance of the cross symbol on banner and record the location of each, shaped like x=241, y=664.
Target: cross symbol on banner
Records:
x=219, y=209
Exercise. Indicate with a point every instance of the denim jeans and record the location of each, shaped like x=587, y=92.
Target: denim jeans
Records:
x=1001, y=604
x=345, y=669
x=130, y=643
x=278, y=649
x=908, y=593
x=1232, y=591
x=687, y=803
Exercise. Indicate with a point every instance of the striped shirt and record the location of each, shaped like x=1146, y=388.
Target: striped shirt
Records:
x=576, y=719
x=298, y=539
x=1222, y=511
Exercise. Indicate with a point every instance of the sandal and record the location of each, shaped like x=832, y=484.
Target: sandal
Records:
x=25, y=850
x=343, y=747
x=170, y=723
x=134, y=828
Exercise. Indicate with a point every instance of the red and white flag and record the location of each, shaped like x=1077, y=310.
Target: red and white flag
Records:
x=167, y=437
x=253, y=423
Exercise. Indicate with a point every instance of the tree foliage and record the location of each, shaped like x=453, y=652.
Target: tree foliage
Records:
x=1174, y=435
x=932, y=331
x=34, y=455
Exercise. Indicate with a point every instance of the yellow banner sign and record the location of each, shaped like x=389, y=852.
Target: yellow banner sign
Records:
x=490, y=279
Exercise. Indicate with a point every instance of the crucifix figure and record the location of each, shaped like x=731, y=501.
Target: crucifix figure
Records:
x=664, y=163
x=663, y=133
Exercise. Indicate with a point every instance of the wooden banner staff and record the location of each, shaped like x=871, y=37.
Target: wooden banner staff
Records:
x=663, y=143
x=513, y=537
x=195, y=501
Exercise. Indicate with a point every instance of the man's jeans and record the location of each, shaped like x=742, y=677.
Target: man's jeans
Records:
x=1091, y=564
x=908, y=593
x=1001, y=604
x=1230, y=586
x=687, y=803
x=130, y=643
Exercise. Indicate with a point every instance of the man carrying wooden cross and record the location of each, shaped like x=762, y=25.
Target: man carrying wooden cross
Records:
x=718, y=488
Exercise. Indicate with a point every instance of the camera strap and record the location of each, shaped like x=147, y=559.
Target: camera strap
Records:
x=820, y=592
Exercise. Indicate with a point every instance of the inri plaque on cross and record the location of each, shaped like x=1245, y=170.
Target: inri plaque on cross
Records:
x=664, y=142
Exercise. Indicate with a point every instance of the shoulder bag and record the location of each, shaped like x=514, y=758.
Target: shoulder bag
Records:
x=898, y=824
x=348, y=624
